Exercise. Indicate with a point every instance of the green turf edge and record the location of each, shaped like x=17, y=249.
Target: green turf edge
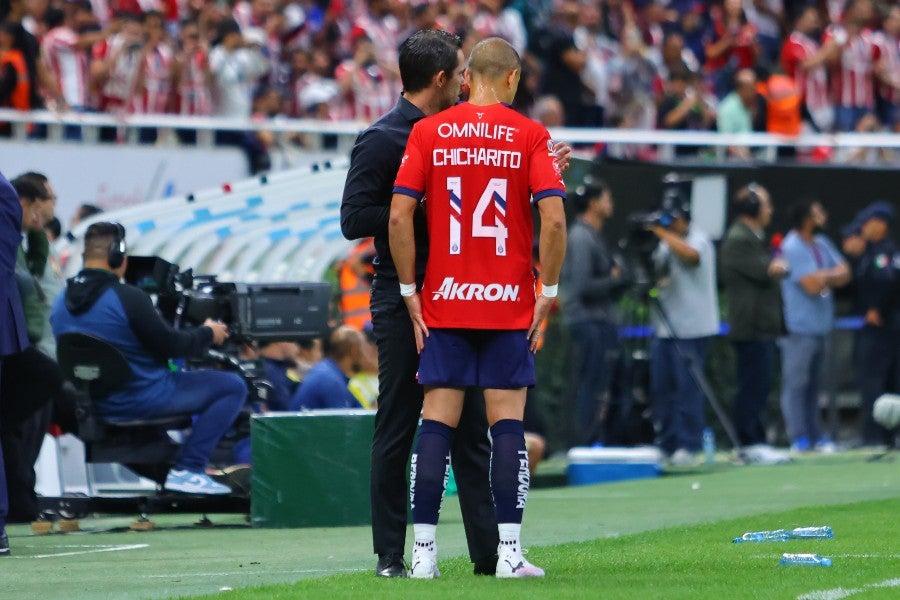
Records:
x=680, y=562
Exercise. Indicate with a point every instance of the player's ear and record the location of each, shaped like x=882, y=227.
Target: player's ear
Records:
x=512, y=79
x=440, y=79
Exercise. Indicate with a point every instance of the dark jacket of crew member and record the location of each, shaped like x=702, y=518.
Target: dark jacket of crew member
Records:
x=754, y=296
x=96, y=303
x=877, y=275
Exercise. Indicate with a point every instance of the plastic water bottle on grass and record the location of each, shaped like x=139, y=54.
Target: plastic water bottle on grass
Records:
x=709, y=446
x=779, y=535
x=804, y=560
x=804, y=533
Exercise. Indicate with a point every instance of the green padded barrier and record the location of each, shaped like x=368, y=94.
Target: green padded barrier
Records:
x=311, y=469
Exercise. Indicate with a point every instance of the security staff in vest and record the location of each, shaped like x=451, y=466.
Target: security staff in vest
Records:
x=97, y=303
x=591, y=283
x=751, y=276
x=876, y=271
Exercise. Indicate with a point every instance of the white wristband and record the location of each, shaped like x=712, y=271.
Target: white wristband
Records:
x=549, y=291
x=407, y=289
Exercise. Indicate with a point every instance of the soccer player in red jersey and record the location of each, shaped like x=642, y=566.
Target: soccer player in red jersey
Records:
x=477, y=321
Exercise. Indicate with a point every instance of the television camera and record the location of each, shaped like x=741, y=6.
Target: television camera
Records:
x=254, y=312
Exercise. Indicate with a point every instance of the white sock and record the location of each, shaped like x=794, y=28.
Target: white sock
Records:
x=509, y=534
x=424, y=533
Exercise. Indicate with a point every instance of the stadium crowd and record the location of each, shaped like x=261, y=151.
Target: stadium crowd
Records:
x=757, y=65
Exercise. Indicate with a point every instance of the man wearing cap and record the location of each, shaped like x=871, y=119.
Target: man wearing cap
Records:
x=878, y=285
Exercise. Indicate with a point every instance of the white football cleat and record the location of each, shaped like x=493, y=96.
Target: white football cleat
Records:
x=511, y=563
x=424, y=561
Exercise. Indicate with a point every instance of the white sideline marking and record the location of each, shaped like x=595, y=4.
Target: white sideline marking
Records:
x=246, y=571
x=94, y=551
x=838, y=593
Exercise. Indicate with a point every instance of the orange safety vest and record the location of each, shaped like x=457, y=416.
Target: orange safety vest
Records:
x=20, y=98
x=355, y=290
x=782, y=106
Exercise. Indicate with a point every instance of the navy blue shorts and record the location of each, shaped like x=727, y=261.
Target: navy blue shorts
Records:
x=492, y=359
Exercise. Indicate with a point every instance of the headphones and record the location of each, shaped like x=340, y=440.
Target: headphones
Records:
x=749, y=203
x=117, y=248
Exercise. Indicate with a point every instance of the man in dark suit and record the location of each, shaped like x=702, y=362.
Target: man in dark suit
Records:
x=13, y=335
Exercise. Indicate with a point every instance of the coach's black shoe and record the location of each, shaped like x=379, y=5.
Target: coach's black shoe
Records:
x=390, y=565
x=4, y=543
x=486, y=566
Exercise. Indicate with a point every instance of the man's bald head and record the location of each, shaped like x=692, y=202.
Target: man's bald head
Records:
x=493, y=59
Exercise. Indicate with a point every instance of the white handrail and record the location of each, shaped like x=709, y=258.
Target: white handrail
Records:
x=347, y=131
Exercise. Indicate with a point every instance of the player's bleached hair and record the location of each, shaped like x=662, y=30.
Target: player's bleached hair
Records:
x=493, y=58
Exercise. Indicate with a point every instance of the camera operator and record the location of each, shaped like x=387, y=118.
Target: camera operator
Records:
x=592, y=282
x=97, y=303
x=686, y=317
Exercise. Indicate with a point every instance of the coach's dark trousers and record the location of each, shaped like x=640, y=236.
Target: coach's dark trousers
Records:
x=399, y=408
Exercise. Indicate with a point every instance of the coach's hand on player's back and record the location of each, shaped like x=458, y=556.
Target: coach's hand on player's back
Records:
x=414, y=306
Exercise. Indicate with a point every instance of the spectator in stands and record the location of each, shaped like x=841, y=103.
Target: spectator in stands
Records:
x=366, y=88
x=877, y=277
x=154, y=81
x=632, y=78
x=685, y=108
x=768, y=18
x=590, y=37
x=804, y=60
x=751, y=278
x=191, y=77
x=325, y=385
x=380, y=26
x=854, y=66
x=495, y=18
x=696, y=28
x=733, y=46
x=673, y=56
x=96, y=303
x=815, y=269
x=115, y=67
x=364, y=384
x=687, y=294
x=888, y=70
x=236, y=65
x=15, y=86
x=39, y=76
x=564, y=63
x=592, y=283
x=740, y=109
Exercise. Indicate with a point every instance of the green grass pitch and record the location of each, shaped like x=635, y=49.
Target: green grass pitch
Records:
x=663, y=538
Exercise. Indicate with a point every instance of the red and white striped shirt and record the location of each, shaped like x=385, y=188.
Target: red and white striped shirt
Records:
x=69, y=65
x=852, y=82
x=813, y=84
x=118, y=92
x=194, y=97
x=890, y=59
x=371, y=95
x=157, y=80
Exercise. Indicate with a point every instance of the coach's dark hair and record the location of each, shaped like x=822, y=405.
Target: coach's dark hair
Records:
x=426, y=53
x=800, y=210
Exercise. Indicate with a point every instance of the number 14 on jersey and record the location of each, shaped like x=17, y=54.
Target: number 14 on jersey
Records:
x=494, y=193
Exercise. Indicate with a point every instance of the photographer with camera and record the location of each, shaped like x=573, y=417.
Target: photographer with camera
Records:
x=684, y=320
x=97, y=303
x=592, y=281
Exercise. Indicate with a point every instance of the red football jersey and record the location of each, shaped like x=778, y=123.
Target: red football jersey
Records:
x=481, y=167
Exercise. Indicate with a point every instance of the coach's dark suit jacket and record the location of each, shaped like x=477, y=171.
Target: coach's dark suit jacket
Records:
x=13, y=336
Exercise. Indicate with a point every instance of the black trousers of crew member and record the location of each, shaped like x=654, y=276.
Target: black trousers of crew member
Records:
x=399, y=407
x=31, y=387
x=878, y=371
